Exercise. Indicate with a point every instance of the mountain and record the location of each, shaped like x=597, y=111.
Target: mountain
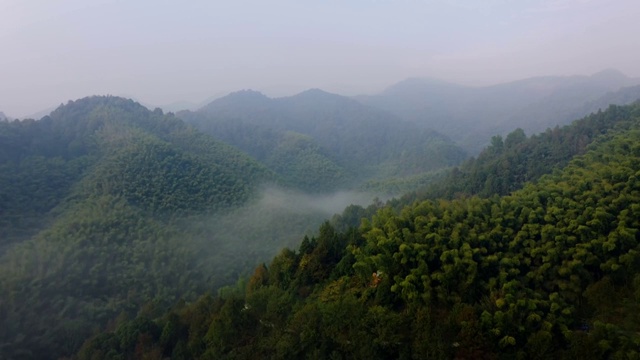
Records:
x=471, y=115
x=624, y=96
x=4, y=117
x=507, y=164
x=97, y=202
x=110, y=214
x=99, y=145
x=339, y=142
x=40, y=114
x=550, y=271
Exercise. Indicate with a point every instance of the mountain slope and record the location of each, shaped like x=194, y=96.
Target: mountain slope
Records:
x=507, y=164
x=550, y=271
x=97, y=200
x=95, y=140
x=351, y=142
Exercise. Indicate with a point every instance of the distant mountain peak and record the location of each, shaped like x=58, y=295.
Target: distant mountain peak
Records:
x=319, y=99
x=247, y=93
x=242, y=97
x=613, y=78
x=420, y=84
x=610, y=73
x=316, y=93
x=102, y=100
x=90, y=102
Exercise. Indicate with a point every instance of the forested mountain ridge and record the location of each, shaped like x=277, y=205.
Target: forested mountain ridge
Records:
x=549, y=271
x=624, y=96
x=507, y=164
x=471, y=115
x=94, y=143
x=345, y=142
x=96, y=202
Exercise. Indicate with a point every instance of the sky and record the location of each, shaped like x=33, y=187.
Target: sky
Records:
x=164, y=51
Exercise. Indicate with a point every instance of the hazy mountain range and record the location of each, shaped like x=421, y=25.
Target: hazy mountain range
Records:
x=530, y=251
x=471, y=115
x=316, y=133
x=468, y=115
x=111, y=210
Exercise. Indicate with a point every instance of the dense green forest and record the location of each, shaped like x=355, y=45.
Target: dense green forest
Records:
x=507, y=164
x=115, y=220
x=97, y=206
x=318, y=141
x=113, y=146
x=549, y=269
x=106, y=206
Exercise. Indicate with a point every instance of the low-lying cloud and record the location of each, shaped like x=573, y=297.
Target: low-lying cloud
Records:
x=277, y=218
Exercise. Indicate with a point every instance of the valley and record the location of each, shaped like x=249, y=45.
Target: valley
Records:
x=120, y=223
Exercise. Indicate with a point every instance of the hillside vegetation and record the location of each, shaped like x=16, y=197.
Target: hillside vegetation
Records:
x=320, y=142
x=507, y=164
x=550, y=270
x=114, y=146
x=96, y=201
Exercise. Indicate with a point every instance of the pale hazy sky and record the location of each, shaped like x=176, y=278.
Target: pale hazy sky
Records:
x=163, y=51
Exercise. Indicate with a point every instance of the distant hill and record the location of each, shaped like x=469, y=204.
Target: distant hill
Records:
x=624, y=96
x=328, y=141
x=41, y=113
x=4, y=117
x=471, y=115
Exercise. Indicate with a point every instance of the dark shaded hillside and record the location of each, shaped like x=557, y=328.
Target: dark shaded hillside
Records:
x=346, y=141
x=551, y=271
x=471, y=115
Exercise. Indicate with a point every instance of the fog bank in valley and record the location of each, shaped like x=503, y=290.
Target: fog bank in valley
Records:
x=277, y=218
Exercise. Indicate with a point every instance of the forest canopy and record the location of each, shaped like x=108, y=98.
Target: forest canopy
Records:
x=113, y=246
x=548, y=271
